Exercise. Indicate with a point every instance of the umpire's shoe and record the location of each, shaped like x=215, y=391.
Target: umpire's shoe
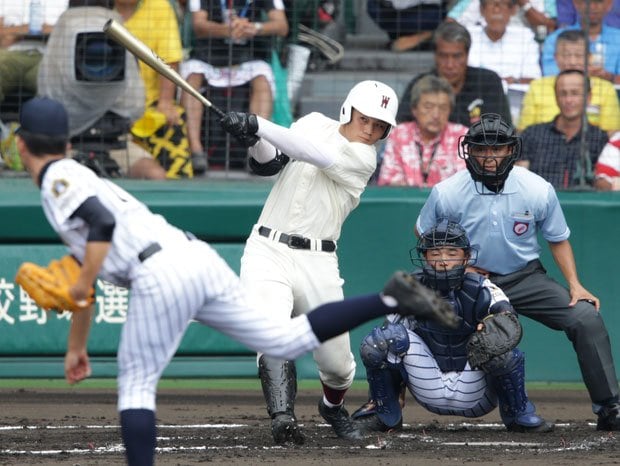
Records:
x=609, y=417
x=340, y=421
x=284, y=429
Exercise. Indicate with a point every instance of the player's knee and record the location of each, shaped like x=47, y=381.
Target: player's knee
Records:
x=586, y=320
x=504, y=363
x=389, y=338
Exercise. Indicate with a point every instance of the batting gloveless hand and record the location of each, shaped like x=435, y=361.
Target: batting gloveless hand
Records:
x=49, y=286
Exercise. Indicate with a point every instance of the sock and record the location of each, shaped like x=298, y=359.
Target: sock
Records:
x=332, y=397
x=139, y=436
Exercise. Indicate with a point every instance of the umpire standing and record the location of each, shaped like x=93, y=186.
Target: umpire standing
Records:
x=502, y=211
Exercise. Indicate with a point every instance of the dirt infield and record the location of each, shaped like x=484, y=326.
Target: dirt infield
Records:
x=53, y=427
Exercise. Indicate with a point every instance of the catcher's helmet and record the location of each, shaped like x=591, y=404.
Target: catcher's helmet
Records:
x=444, y=234
x=490, y=131
x=373, y=99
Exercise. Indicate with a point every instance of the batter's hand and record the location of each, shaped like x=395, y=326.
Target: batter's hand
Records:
x=77, y=366
x=242, y=126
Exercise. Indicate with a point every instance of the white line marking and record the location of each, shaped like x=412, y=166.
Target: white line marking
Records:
x=494, y=444
x=164, y=426
x=118, y=447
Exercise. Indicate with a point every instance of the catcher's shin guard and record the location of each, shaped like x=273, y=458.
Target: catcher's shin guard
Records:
x=385, y=387
x=279, y=382
x=518, y=413
x=384, y=378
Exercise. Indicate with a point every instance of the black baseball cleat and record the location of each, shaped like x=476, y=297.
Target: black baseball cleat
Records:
x=284, y=429
x=609, y=417
x=340, y=421
x=372, y=423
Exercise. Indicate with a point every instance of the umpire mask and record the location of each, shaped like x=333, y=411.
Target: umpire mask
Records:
x=490, y=149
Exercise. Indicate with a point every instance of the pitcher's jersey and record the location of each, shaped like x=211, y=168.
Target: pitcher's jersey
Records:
x=66, y=184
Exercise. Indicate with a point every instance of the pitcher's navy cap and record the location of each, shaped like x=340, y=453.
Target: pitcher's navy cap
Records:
x=42, y=115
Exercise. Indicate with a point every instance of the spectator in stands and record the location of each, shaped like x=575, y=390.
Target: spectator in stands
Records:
x=539, y=104
x=423, y=152
x=408, y=23
x=20, y=54
x=476, y=90
x=567, y=14
x=604, y=42
x=607, y=169
x=509, y=50
x=533, y=14
x=553, y=150
x=162, y=129
x=233, y=48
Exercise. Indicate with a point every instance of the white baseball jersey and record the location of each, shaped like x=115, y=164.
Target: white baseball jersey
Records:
x=183, y=281
x=312, y=202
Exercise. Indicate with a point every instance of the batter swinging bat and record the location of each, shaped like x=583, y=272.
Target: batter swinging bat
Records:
x=121, y=35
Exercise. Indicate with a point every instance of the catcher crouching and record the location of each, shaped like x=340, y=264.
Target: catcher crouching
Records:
x=465, y=371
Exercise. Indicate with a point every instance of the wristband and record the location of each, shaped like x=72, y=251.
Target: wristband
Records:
x=527, y=7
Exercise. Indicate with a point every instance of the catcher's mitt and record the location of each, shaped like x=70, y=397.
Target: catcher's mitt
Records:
x=49, y=286
x=500, y=334
x=418, y=301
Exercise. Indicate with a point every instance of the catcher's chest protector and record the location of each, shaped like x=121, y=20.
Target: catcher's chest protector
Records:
x=471, y=302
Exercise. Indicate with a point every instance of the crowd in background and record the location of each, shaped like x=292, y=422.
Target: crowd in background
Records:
x=561, y=57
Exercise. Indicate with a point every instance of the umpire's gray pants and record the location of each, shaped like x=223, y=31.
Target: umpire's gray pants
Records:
x=536, y=295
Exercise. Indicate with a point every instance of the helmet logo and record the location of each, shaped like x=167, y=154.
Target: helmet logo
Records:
x=385, y=100
x=520, y=228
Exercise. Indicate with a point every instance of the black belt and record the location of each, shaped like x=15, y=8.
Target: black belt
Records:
x=297, y=241
x=148, y=251
x=154, y=248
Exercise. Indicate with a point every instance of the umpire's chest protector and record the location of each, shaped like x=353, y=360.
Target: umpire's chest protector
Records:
x=471, y=302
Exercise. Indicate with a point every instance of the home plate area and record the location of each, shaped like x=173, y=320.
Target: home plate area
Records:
x=55, y=427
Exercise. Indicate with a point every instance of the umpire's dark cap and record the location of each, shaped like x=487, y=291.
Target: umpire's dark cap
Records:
x=45, y=116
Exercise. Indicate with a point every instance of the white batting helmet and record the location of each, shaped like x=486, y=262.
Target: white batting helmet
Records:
x=373, y=99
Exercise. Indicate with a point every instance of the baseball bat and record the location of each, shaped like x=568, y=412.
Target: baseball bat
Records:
x=138, y=48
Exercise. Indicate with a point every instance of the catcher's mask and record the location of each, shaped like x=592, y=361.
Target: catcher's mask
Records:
x=443, y=273
x=484, y=139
